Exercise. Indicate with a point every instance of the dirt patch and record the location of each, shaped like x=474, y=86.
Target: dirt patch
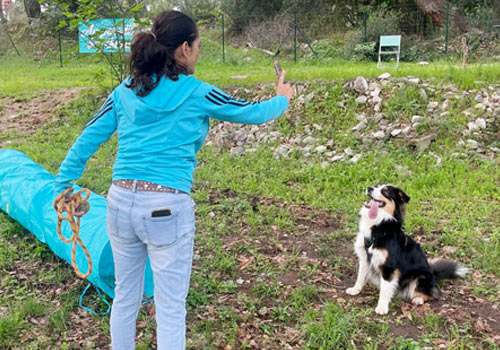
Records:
x=302, y=259
x=27, y=116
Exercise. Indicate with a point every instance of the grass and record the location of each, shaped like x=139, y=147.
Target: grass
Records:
x=292, y=219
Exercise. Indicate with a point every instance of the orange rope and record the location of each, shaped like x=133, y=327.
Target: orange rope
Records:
x=61, y=206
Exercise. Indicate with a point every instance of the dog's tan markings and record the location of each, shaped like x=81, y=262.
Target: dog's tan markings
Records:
x=395, y=275
x=389, y=206
x=420, y=298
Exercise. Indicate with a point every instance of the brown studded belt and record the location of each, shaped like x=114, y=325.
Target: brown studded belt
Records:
x=141, y=185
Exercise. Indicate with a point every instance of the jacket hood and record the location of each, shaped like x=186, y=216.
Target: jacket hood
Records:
x=165, y=98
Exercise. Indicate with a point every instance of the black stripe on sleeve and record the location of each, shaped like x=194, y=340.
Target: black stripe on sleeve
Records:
x=239, y=104
x=226, y=97
x=98, y=116
x=215, y=97
x=106, y=104
x=214, y=102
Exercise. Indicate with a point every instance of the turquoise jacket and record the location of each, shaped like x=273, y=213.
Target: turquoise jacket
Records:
x=159, y=134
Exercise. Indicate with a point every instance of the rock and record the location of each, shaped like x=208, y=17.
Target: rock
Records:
x=361, y=99
x=282, y=151
x=479, y=123
x=423, y=63
x=384, y=76
x=337, y=158
x=236, y=151
x=376, y=100
x=240, y=135
x=341, y=104
x=360, y=85
x=375, y=92
x=355, y=159
x=472, y=143
x=416, y=119
x=377, y=107
x=320, y=149
x=406, y=130
x=478, y=98
x=431, y=106
x=300, y=100
x=395, y=132
x=445, y=105
x=360, y=126
x=349, y=151
x=317, y=127
x=324, y=164
x=422, y=143
x=423, y=94
x=378, y=117
x=309, y=97
x=379, y=134
x=414, y=80
x=309, y=140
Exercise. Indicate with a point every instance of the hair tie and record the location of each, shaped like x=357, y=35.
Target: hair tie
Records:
x=153, y=35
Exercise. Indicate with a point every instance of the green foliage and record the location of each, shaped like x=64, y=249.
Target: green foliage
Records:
x=91, y=10
x=404, y=103
x=333, y=328
x=365, y=51
x=325, y=50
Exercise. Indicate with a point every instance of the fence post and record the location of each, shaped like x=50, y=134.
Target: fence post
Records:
x=295, y=38
x=447, y=25
x=10, y=39
x=364, y=25
x=60, y=47
x=223, y=47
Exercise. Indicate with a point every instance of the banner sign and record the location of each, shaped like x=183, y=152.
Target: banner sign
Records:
x=105, y=35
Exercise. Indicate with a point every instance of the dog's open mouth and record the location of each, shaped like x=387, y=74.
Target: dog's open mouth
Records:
x=373, y=206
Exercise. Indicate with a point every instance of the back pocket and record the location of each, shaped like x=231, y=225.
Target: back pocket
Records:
x=112, y=219
x=161, y=231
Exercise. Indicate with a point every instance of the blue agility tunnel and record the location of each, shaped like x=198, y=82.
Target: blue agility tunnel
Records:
x=26, y=195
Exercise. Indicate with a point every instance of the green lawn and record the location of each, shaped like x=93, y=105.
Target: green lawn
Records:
x=273, y=251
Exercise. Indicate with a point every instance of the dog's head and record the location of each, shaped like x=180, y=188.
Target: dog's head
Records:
x=386, y=203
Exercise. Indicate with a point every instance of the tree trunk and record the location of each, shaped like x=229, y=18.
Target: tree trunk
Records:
x=434, y=9
x=2, y=17
x=32, y=8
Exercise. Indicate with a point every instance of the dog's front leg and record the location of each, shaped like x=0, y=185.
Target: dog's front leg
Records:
x=387, y=290
x=364, y=267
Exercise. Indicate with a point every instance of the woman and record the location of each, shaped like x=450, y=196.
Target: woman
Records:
x=161, y=114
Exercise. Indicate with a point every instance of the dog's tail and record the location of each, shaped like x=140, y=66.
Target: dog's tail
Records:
x=446, y=269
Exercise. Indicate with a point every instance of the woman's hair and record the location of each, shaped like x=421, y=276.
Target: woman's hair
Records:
x=152, y=53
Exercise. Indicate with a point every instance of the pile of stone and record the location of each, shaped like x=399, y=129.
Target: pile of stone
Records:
x=484, y=114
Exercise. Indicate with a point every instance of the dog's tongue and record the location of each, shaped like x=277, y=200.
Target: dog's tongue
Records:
x=372, y=212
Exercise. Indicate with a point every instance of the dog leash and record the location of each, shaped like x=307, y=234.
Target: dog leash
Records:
x=61, y=205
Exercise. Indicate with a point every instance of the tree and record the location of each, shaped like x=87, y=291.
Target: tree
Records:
x=2, y=17
x=32, y=9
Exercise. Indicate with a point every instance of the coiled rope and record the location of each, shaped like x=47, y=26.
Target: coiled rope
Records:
x=75, y=204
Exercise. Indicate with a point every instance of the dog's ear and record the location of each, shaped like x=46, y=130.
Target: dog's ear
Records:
x=403, y=196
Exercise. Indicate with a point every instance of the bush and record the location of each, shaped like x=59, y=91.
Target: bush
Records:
x=365, y=52
x=381, y=21
x=325, y=50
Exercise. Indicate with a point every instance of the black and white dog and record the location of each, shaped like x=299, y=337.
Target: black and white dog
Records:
x=390, y=259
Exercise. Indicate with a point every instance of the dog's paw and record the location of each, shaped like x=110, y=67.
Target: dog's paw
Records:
x=382, y=309
x=353, y=291
x=417, y=301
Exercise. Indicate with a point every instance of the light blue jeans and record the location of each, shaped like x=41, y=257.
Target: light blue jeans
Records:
x=167, y=237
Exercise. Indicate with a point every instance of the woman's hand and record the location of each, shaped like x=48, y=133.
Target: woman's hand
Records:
x=284, y=89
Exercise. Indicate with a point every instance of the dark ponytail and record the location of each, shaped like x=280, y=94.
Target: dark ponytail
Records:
x=152, y=53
